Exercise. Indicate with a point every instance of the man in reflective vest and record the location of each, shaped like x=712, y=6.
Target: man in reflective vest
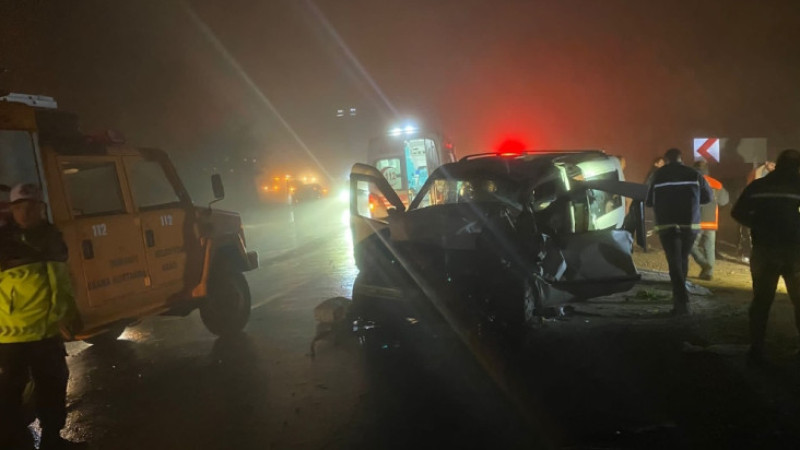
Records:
x=770, y=207
x=704, y=249
x=37, y=307
x=676, y=193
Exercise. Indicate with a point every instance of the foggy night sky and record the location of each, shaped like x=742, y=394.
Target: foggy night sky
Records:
x=631, y=77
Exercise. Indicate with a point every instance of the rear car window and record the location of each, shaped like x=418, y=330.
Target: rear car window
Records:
x=392, y=171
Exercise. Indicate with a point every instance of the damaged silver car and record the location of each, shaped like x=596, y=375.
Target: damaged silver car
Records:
x=495, y=238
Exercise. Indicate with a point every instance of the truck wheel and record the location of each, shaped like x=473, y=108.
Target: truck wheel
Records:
x=109, y=336
x=227, y=308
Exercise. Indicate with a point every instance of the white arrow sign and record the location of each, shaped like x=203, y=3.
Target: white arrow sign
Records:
x=707, y=149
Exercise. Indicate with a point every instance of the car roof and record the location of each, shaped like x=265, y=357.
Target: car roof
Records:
x=520, y=167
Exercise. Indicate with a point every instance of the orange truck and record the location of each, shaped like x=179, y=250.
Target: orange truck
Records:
x=138, y=245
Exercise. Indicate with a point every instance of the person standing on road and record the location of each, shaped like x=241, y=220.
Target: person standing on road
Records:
x=631, y=221
x=657, y=164
x=37, y=307
x=770, y=207
x=761, y=171
x=704, y=248
x=675, y=194
x=745, y=243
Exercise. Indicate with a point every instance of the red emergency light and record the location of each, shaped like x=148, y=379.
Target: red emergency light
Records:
x=511, y=147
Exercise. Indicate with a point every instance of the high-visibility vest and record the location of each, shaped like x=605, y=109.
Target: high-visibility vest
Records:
x=35, y=300
x=706, y=222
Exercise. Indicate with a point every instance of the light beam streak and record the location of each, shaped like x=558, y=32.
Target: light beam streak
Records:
x=231, y=60
x=320, y=16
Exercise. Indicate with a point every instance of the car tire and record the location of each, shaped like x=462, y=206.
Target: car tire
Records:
x=522, y=311
x=111, y=334
x=226, y=309
x=531, y=301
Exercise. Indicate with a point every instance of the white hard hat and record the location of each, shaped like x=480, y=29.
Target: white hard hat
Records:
x=25, y=192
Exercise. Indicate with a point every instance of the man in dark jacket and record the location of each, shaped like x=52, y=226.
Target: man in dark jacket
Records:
x=770, y=207
x=676, y=193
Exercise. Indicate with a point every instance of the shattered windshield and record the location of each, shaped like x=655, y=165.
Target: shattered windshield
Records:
x=449, y=191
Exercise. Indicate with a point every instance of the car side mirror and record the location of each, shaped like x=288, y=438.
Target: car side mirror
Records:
x=217, y=187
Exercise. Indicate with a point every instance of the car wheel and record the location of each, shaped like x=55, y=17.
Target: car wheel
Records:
x=107, y=337
x=521, y=307
x=530, y=301
x=226, y=309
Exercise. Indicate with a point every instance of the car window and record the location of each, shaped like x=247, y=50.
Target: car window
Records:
x=93, y=188
x=391, y=170
x=370, y=202
x=150, y=186
x=447, y=191
x=17, y=158
x=417, y=153
x=601, y=202
x=440, y=192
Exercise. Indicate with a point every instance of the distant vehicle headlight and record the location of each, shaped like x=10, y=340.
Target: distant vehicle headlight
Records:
x=344, y=196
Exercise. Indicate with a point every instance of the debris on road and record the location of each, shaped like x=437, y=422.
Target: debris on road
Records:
x=331, y=317
x=649, y=294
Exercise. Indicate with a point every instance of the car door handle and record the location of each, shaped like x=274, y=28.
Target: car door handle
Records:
x=150, y=238
x=88, y=249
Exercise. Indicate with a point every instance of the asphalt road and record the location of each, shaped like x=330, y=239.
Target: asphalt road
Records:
x=167, y=383
x=617, y=373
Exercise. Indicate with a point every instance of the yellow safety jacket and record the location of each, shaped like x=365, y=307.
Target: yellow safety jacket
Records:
x=36, y=300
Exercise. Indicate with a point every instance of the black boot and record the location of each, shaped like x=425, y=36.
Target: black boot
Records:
x=56, y=442
x=23, y=440
x=755, y=357
x=681, y=309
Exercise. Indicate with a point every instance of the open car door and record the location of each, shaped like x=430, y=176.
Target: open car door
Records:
x=599, y=262
x=372, y=200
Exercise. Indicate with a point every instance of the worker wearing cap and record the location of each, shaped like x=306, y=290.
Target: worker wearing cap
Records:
x=770, y=207
x=37, y=308
x=704, y=249
x=675, y=194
